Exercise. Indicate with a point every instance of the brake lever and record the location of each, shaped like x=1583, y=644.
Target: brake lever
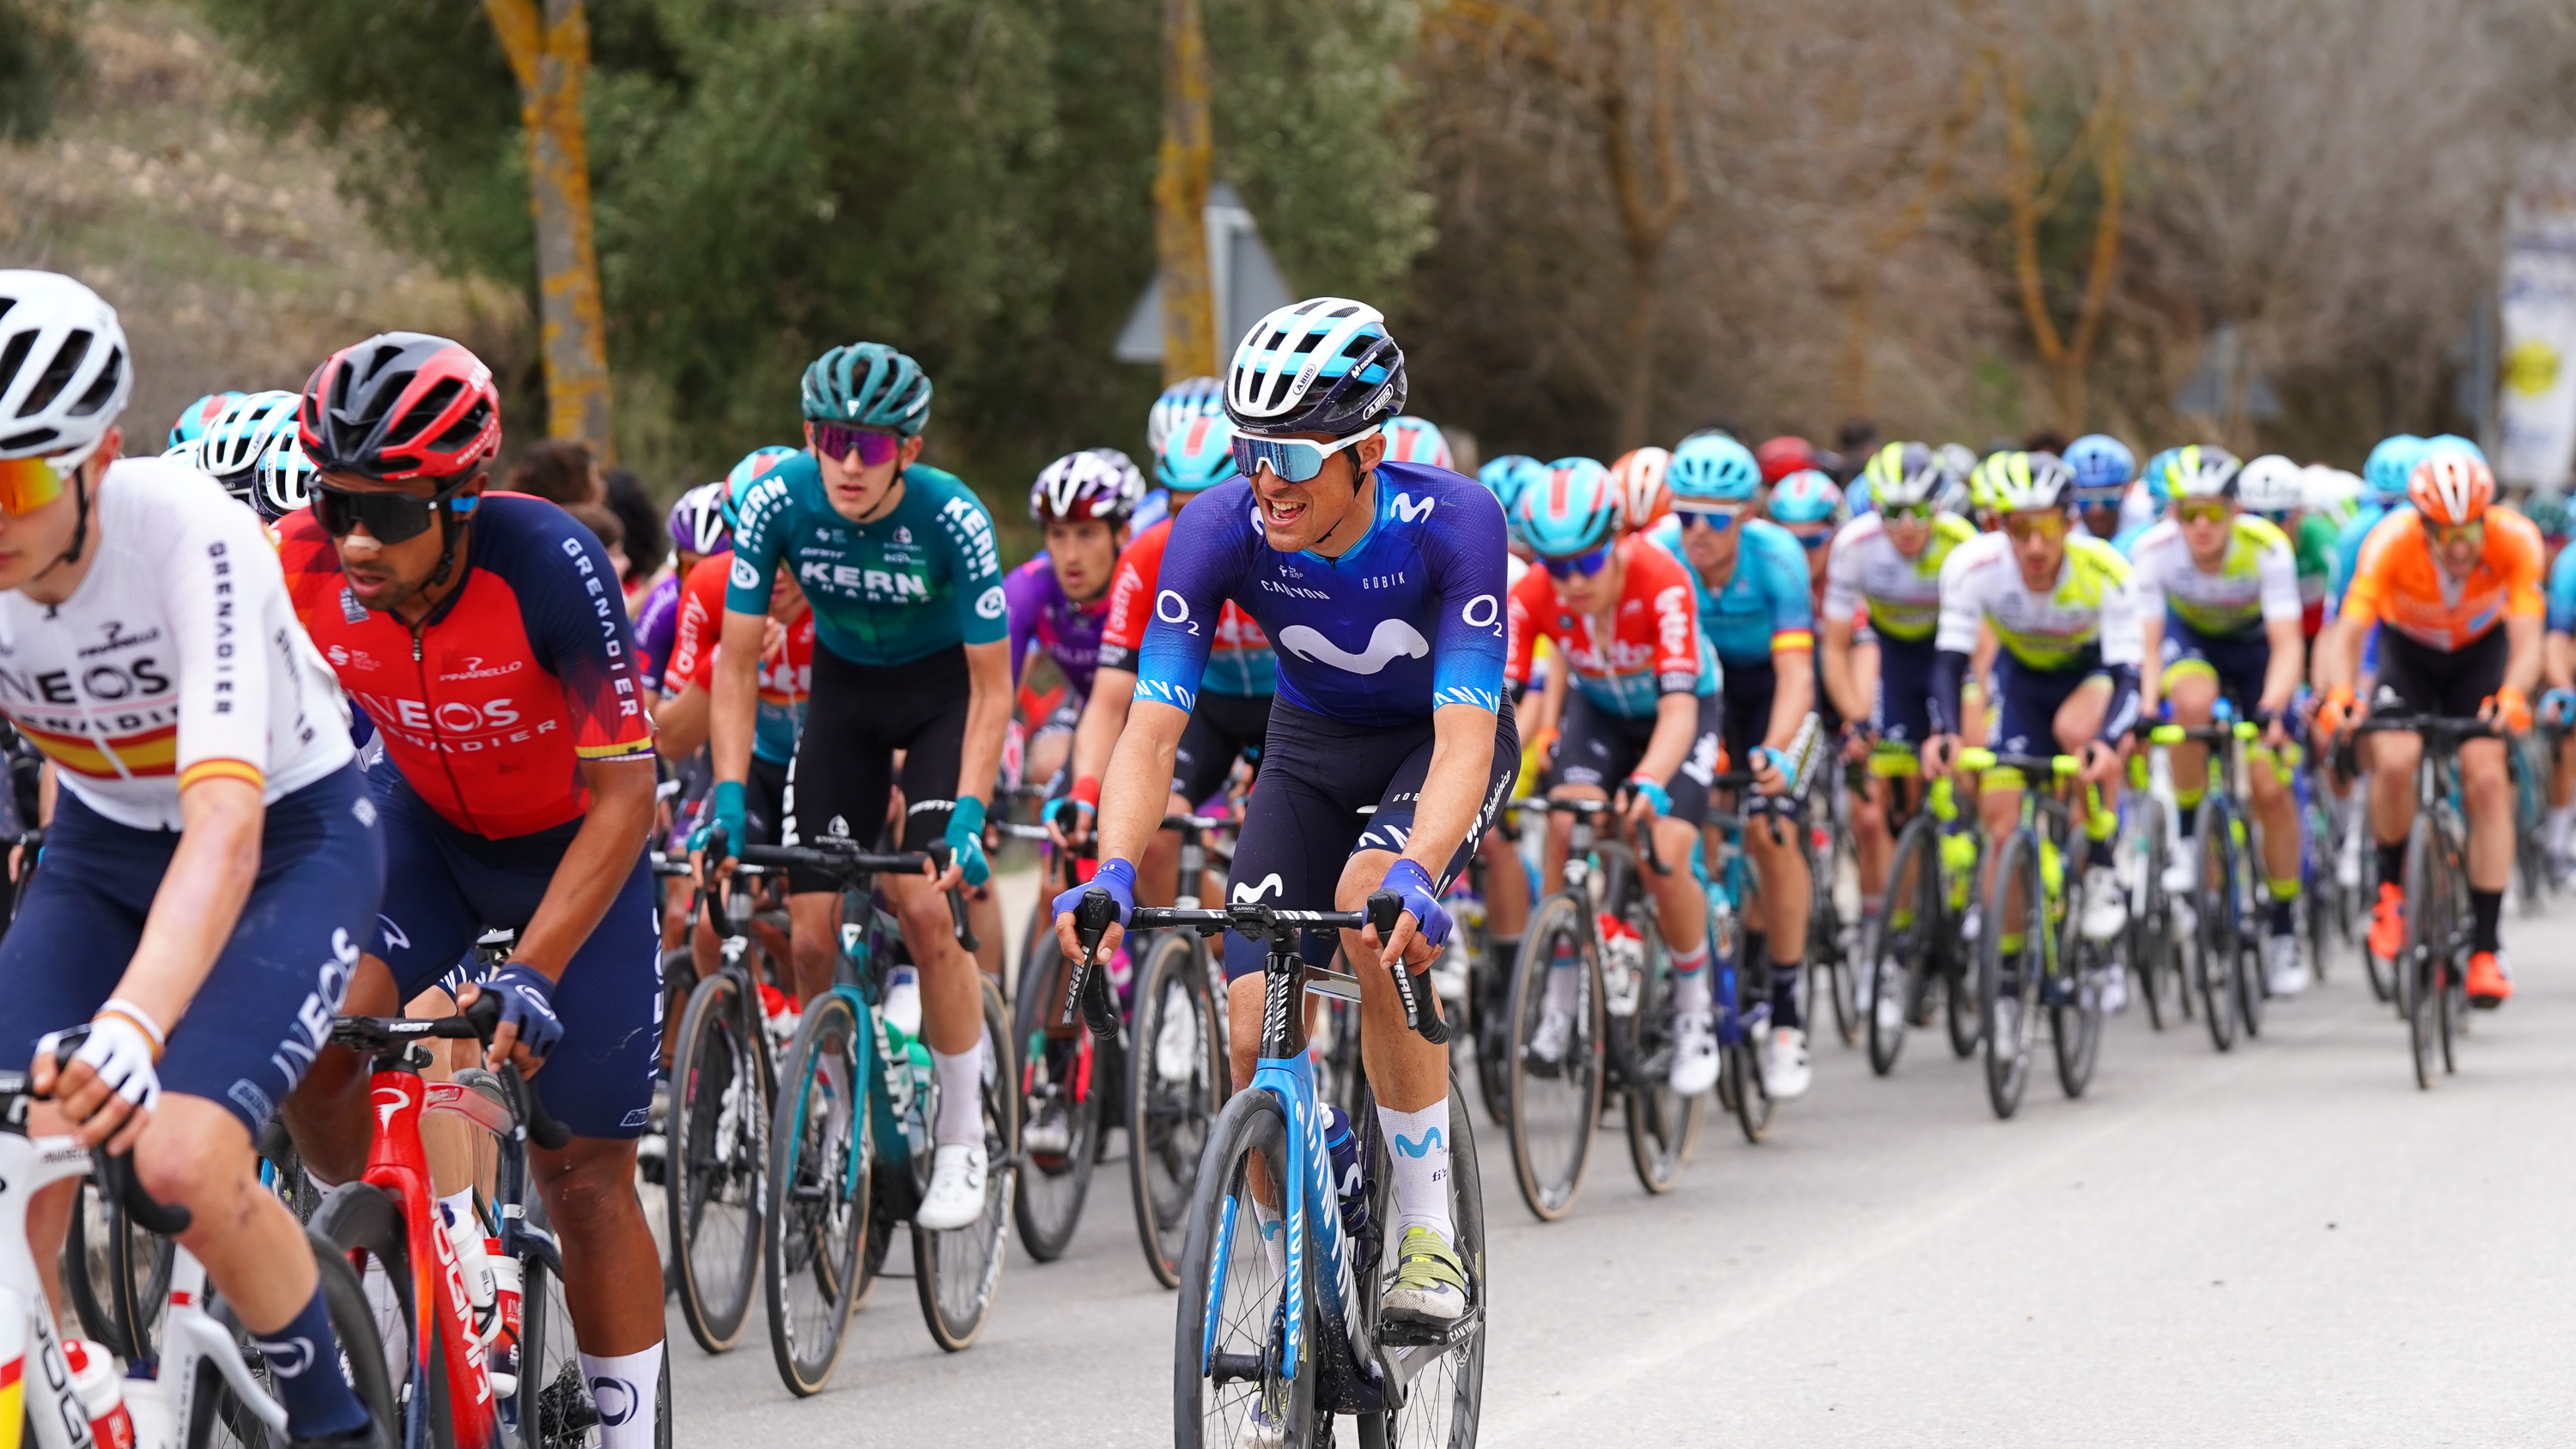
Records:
x=1412, y=988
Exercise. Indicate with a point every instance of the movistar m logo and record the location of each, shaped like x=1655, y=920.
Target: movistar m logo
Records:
x=1251, y=893
x=1410, y=511
x=1430, y=1139
x=1391, y=640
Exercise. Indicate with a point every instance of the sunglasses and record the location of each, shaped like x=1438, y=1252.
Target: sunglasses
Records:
x=2024, y=526
x=837, y=441
x=27, y=484
x=2213, y=510
x=2473, y=531
x=1907, y=513
x=1811, y=541
x=1586, y=564
x=1293, y=460
x=1722, y=516
x=389, y=517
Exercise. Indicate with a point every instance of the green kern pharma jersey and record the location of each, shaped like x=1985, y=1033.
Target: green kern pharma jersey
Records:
x=925, y=578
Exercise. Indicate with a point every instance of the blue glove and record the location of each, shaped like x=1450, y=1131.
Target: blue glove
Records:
x=1116, y=877
x=965, y=839
x=1656, y=795
x=726, y=812
x=527, y=1001
x=2558, y=706
x=1412, y=885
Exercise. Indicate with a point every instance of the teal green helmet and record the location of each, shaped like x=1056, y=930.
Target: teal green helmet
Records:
x=868, y=385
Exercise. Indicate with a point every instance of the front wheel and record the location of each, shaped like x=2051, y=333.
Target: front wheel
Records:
x=1229, y=1385
x=218, y=1418
x=1177, y=1082
x=1661, y=1123
x=957, y=1273
x=2010, y=959
x=818, y=1167
x=2217, y=937
x=1900, y=958
x=715, y=1174
x=1443, y=1392
x=1558, y=1074
x=556, y=1405
x=2420, y=968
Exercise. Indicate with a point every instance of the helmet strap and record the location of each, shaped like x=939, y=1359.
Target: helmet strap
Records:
x=80, y=528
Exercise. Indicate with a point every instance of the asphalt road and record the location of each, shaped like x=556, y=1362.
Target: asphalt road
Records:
x=2288, y=1244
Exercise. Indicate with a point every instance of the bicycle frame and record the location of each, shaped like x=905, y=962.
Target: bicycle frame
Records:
x=398, y=1164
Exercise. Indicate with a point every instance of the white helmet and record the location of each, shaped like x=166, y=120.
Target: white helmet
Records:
x=1325, y=365
x=2027, y=482
x=2271, y=484
x=64, y=368
x=1195, y=397
x=2324, y=488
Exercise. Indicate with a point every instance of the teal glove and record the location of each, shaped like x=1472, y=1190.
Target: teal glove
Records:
x=966, y=839
x=725, y=812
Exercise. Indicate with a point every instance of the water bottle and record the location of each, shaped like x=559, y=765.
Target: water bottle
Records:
x=101, y=1390
x=1623, y=964
x=903, y=999
x=1350, y=1176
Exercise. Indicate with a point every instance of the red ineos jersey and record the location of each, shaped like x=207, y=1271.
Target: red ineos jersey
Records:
x=523, y=672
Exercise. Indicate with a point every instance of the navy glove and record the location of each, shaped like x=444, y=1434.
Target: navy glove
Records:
x=1412, y=885
x=527, y=1002
x=965, y=839
x=1116, y=877
x=725, y=812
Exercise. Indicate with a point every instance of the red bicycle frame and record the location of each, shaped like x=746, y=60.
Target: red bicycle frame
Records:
x=398, y=1164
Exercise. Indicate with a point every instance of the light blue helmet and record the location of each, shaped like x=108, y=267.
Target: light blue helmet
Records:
x=1712, y=468
x=2454, y=440
x=2154, y=473
x=198, y=416
x=1507, y=476
x=1806, y=496
x=2100, y=461
x=1197, y=454
x=1569, y=508
x=243, y=433
x=2390, y=465
x=754, y=465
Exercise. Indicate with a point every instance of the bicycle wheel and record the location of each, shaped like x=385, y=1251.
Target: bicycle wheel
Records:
x=363, y=1226
x=2253, y=905
x=1064, y=1080
x=1441, y=1385
x=2150, y=928
x=219, y=1418
x=1228, y=1344
x=117, y=1275
x=2214, y=945
x=715, y=1188
x=2428, y=941
x=1491, y=989
x=2008, y=980
x=956, y=1273
x=2075, y=1015
x=818, y=1166
x=1899, y=958
x=1176, y=1084
x=556, y=1405
x=1661, y=1123
x=1832, y=964
x=1558, y=1076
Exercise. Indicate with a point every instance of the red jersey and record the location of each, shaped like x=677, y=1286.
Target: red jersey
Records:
x=1239, y=662
x=527, y=669
x=786, y=674
x=1653, y=647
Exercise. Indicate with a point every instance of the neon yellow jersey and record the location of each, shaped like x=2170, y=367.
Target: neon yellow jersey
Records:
x=2089, y=617
x=1903, y=595
x=2255, y=582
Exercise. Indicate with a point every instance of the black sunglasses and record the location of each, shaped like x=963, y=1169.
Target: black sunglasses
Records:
x=389, y=517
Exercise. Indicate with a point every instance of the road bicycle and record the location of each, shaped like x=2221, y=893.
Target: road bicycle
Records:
x=2430, y=976
x=212, y=1387
x=1177, y=1075
x=1268, y=1349
x=2529, y=758
x=1922, y=948
x=850, y=1141
x=2031, y=953
x=2228, y=902
x=1833, y=910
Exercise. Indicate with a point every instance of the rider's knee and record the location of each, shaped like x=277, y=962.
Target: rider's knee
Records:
x=178, y=1163
x=595, y=1190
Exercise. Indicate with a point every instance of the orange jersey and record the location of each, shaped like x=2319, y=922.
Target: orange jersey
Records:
x=2398, y=584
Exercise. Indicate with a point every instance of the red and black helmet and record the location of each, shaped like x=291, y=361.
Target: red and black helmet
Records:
x=402, y=405
x=1783, y=456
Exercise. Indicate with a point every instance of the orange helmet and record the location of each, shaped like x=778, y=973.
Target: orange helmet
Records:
x=1643, y=498
x=2452, y=486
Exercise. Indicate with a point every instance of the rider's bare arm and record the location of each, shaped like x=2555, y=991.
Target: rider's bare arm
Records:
x=680, y=722
x=2281, y=677
x=1453, y=790
x=737, y=703
x=1104, y=714
x=1841, y=684
x=2522, y=634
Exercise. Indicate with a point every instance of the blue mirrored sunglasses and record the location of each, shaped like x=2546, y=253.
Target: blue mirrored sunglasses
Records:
x=1586, y=564
x=1813, y=541
x=1719, y=518
x=1294, y=460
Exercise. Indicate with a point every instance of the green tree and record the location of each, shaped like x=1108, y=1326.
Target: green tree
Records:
x=40, y=59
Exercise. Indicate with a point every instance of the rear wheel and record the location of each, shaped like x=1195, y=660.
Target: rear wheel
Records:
x=2419, y=970
x=1064, y=1081
x=1832, y=962
x=2150, y=929
x=1441, y=1385
x=818, y=1170
x=557, y=1406
x=1899, y=959
x=957, y=1273
x=2216, y=936
x=715, y=1178
x=1176, y=1084
x=1661, y=1123
x=2009, y=968
x=1557, y=1071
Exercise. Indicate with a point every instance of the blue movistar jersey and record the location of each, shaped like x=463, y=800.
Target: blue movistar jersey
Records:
x=924, y=578
x=2562, y=593
x=2347, y=549
x=1349, y=632
x=1765, y=607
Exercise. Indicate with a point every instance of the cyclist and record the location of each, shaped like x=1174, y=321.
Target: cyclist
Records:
x=250, y=448
x=211, y=862
x=1749, y=579
x=486, y=635
x=697, y=528
x=1059, y=600
x=1195, y=397
x=1781, y=456
x=1644, y=498
x=198, y=416
x=2282, y=494
x=1416, y=440
x=2108, y=500
x=2067, y=672
x=1885, y=576
x=2457, y=583
x=2218, y=602
x=1643, y=718
x=1390, y=749
x=2548, y=514
x=900, y=565
x=2387, y=472
x=1808, y=506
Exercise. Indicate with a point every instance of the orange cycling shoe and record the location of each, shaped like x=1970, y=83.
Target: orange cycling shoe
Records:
x=2490, y=983
x=2388, y=922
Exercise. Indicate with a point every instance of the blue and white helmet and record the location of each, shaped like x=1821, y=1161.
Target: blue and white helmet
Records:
x=194, y=419
x=2101, y=462
x=1571, y=508
x=1806, y=496
x=1191, y=397
x=1197, y=455
x=1506, y=476
x=283, y=481
x=253, y=450
x=1712, y=468
x=1416, y=440
x=1325, y=365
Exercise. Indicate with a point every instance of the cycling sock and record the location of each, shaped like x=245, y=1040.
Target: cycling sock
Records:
x=1785, y=976
x=2188, y=820
x=2285, y=911
x=2098, y=853
x=2392, y=864
x=2484, y=907
x=1501, y=954
x=1560, y=982
x=961, y=1098
x=2561, y=821
x=304, y=1355
x=1690, y=980
x=1418, y=1145
x=624, y=1389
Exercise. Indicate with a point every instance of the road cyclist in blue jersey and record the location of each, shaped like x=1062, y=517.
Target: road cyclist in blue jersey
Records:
x=1750, y=579
x=899, y=563
x=1391, y=746
x=2548, y=512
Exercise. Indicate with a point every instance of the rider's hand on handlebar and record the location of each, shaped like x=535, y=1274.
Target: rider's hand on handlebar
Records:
x=1858, y=740
x=2338, y=712
x=2276, y=728
x=1070, y=821
x=2101, y=762
x=2507, y=710
x=529, y=1028
x=2558, y=708
x=109, y=1088
x=1940, y=754
x=1765, y=765
x=1423, y=920
x=1647, y=799
x=1118, y=878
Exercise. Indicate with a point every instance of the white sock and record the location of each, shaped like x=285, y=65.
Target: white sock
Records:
x=961, y=1098
x=1560, y=986
x=2561, y=820
x=623, y=1388
x=1690, y=981
x=460, y=1211
x=1418, y=1144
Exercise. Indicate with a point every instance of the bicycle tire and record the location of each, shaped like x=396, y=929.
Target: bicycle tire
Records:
x=554, y=1407
x=1658, y=1122
x=2254, y=903
x=1225, y=1203
x=2007, y=1001
x=361, y=1218
x=1172, y=1109
x=218, y=1418
x=717, y=1158
x=2150, y=929
x=1067, y=1070
x=1490, y=988
x=2214, y=959
x=1901, y=957
x=1831, y=969
x=817, y=1224
x=2075, y=1024
x=2419, y=972
x=1556, y=1106
x=1428, y=1415
x=956, y=1274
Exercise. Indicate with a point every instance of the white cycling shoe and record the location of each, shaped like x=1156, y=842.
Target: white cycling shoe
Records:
x=1695, y=1054
x=2182, y=867
x=2115, y=989
x=1548, y=1043
x=1785, y=1075
x=2285, y=966
x=2106, y=908
x=1050, y=1132
x=1890, y=1007
x=956, y=1195
x=1176, y=1043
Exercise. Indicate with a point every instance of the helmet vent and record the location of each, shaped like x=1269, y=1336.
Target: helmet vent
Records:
x=105, y=388
x=424, y=412
x=58, y=374
x=13, y=357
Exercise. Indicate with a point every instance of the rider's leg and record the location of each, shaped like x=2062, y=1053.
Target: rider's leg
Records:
x=2191, y=688
x=2489, y=788
x=2562, y=798
x=813, y=940
x=2392, y=800
x=328, y=1113
x=1771, y=841
x=1872, y=843
x=2079, y=722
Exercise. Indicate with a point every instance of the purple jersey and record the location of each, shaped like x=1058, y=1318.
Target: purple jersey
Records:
x=657, y=625
x=1067, y=631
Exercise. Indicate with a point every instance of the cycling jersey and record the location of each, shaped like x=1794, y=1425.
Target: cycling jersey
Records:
x=2313, y=546
x=2089, y=616
x=1900, y=596
x=926, y=577
x=2398, y=584
x=1349, y=631
x=1040, y=614
x=2562, y=593
x=2256, y=582
x=525, y=670
x=1765, y=607
x=786, y=677
x=1239, y=662
x=2347, y=549
x=1653, y=648
x=176, y=660
x=655, y=625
